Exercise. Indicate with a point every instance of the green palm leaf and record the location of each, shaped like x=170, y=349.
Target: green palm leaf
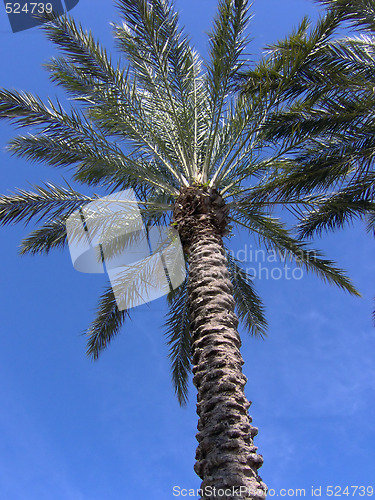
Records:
x=51, y=235
x=227, y=44
x=249, y=307
x=275, y=236
x=107, y=323
x=48, y=201
x=179, y=342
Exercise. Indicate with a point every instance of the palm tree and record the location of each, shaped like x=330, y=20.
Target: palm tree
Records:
x=197, y=155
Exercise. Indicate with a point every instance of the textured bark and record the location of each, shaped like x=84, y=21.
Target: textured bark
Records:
x=227, y=460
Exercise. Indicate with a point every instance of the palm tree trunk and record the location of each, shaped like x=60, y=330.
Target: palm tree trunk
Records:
x=226, y=456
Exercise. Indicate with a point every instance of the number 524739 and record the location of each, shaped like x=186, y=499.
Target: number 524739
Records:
x=28, y=8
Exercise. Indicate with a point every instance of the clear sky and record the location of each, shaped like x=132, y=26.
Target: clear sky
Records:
x=72, y=429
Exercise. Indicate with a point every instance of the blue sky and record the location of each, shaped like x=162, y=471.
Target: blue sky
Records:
x=112, y=430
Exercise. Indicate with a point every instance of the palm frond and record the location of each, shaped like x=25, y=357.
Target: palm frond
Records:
x=236, y=140
x=360, y=13
x=273, y=234
x=49, y=236
x=165, y=65
x=55, y=204
x=179, y=342
x=96, y=157
x=48, y=201
x=289, y=71
x=88, y=73
x=106, y=325
x=337, y=210
x=302, y=121
x=290, y=66
x=249, y=306
x=84, y=53
x=227, y=44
